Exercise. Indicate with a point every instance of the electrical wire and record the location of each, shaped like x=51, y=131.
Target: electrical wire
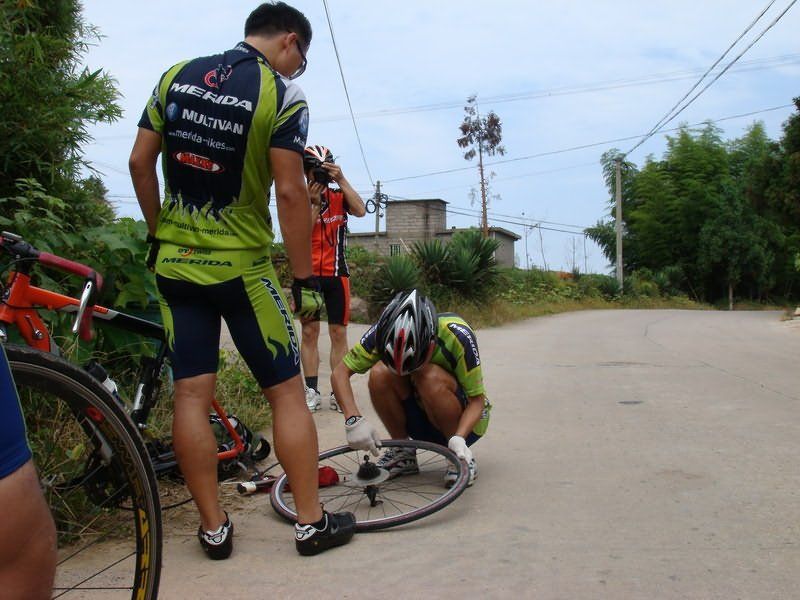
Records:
x=667, y=118
x=347, y=93
x=745, y=66
x=580, y=147
x=525, y=222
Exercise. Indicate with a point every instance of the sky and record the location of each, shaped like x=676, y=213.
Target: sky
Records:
x=560, y=75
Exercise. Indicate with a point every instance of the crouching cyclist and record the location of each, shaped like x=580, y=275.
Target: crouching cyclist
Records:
x=425, y=382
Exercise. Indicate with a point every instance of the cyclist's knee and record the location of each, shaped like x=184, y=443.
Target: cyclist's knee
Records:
x=338, y=335
x=310, y=332
x=381, y=380
x=432, y=381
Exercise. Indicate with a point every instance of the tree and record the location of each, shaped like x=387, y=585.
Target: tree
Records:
x=481, y=135
x=48, y=101
x=734, y=246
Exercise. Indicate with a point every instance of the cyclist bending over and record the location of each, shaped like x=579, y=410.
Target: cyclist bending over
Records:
x=425, y=382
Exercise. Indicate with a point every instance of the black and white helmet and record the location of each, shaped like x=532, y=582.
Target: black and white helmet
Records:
x=406, y=332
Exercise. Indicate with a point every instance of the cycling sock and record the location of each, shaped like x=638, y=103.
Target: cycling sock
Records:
x=320, y=525
x=311, y=382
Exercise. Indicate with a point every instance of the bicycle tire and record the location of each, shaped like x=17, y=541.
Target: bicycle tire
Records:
x=95, y=472
x=395, y=493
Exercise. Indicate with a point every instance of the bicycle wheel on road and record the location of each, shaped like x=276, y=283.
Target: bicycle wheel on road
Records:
x=377, y=501
x=96, y=477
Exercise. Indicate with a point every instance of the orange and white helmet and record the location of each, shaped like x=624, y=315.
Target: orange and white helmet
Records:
x=314, y=156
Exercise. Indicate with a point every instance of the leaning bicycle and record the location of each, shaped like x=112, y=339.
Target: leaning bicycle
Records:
x=93, y=467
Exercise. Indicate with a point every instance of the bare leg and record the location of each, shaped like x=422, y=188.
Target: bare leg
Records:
x=338, y=335
x=309, y=348
x=28, y=547
x=387, y=392
x=196, y=446
x=296, y=446
x=437, y=391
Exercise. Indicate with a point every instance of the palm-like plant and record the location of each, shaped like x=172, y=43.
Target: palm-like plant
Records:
x=470, y=248
x=433, y=259
x=396, y=274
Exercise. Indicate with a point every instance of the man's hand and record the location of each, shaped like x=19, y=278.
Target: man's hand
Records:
x=334, y=170
x=361, y=435
x=306, y=298
x=458, y=445
x=152, y=252
x=315, y=190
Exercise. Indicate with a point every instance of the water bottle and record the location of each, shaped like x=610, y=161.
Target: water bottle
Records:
x=96, y=370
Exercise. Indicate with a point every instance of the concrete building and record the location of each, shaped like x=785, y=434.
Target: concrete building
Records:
x=409, y=221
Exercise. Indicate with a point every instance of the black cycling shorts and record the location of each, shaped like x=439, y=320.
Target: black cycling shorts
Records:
x=419, y=427
x=257, y=316
x=14, y=449
x=336, y=293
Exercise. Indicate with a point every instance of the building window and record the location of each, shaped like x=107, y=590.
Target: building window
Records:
x=394, y=249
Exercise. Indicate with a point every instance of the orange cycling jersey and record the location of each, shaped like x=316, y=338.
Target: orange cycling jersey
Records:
x=329, y=236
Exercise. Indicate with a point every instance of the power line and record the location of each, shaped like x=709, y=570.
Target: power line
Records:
x=582, y=146
x=525, y=222
x=666, y=77
x=346, y=93
x=667, y=118
x=753, y=65
x=711, y=68
x=524, y=175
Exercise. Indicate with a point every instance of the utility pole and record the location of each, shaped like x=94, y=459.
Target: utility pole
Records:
x=377, y=201
x=585, y=262
x=377, y=210
x=527, y=261
x=541, y=245
x=484, y=218
x=618, y=201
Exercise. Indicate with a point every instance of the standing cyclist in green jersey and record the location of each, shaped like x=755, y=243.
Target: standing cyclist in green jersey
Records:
x=227, y=126
x=425, y=382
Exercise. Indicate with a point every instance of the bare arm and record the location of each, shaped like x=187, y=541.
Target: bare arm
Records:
x=292, y=202
x=340, y=381
x=355, y=205
x=142, y=165
x=470, y=416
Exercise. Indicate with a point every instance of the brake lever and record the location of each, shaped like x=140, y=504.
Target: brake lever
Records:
x=82, y=323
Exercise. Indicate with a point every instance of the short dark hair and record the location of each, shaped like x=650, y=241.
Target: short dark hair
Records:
x=277, y=17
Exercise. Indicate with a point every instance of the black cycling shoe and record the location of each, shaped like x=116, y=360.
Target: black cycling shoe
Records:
x=338, y=530
x=217, y=544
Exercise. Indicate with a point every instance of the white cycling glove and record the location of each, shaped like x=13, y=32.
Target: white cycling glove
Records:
x=361, y=435
x=458, y=445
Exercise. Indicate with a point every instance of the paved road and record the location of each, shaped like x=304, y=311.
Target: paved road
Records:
x=631, y=454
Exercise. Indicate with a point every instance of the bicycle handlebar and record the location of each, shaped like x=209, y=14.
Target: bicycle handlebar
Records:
x=15, y=245
x=51, y=260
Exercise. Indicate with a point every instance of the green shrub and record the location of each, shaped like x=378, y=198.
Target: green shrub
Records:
x=434, y=261
x=398, y=273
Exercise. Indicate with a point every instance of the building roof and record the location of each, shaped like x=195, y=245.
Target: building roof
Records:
x=500, y=230
x=416, y=200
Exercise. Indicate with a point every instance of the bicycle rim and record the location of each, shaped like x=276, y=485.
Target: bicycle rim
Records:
x=387, y=503
x=96, y=478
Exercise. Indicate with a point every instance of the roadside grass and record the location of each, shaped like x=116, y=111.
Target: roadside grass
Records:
x=500, y=311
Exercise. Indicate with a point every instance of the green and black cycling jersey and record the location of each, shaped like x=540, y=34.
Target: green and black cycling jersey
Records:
x=456, y=352
x=218, y=117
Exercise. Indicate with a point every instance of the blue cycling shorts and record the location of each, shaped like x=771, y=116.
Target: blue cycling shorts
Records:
x=14, y=450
